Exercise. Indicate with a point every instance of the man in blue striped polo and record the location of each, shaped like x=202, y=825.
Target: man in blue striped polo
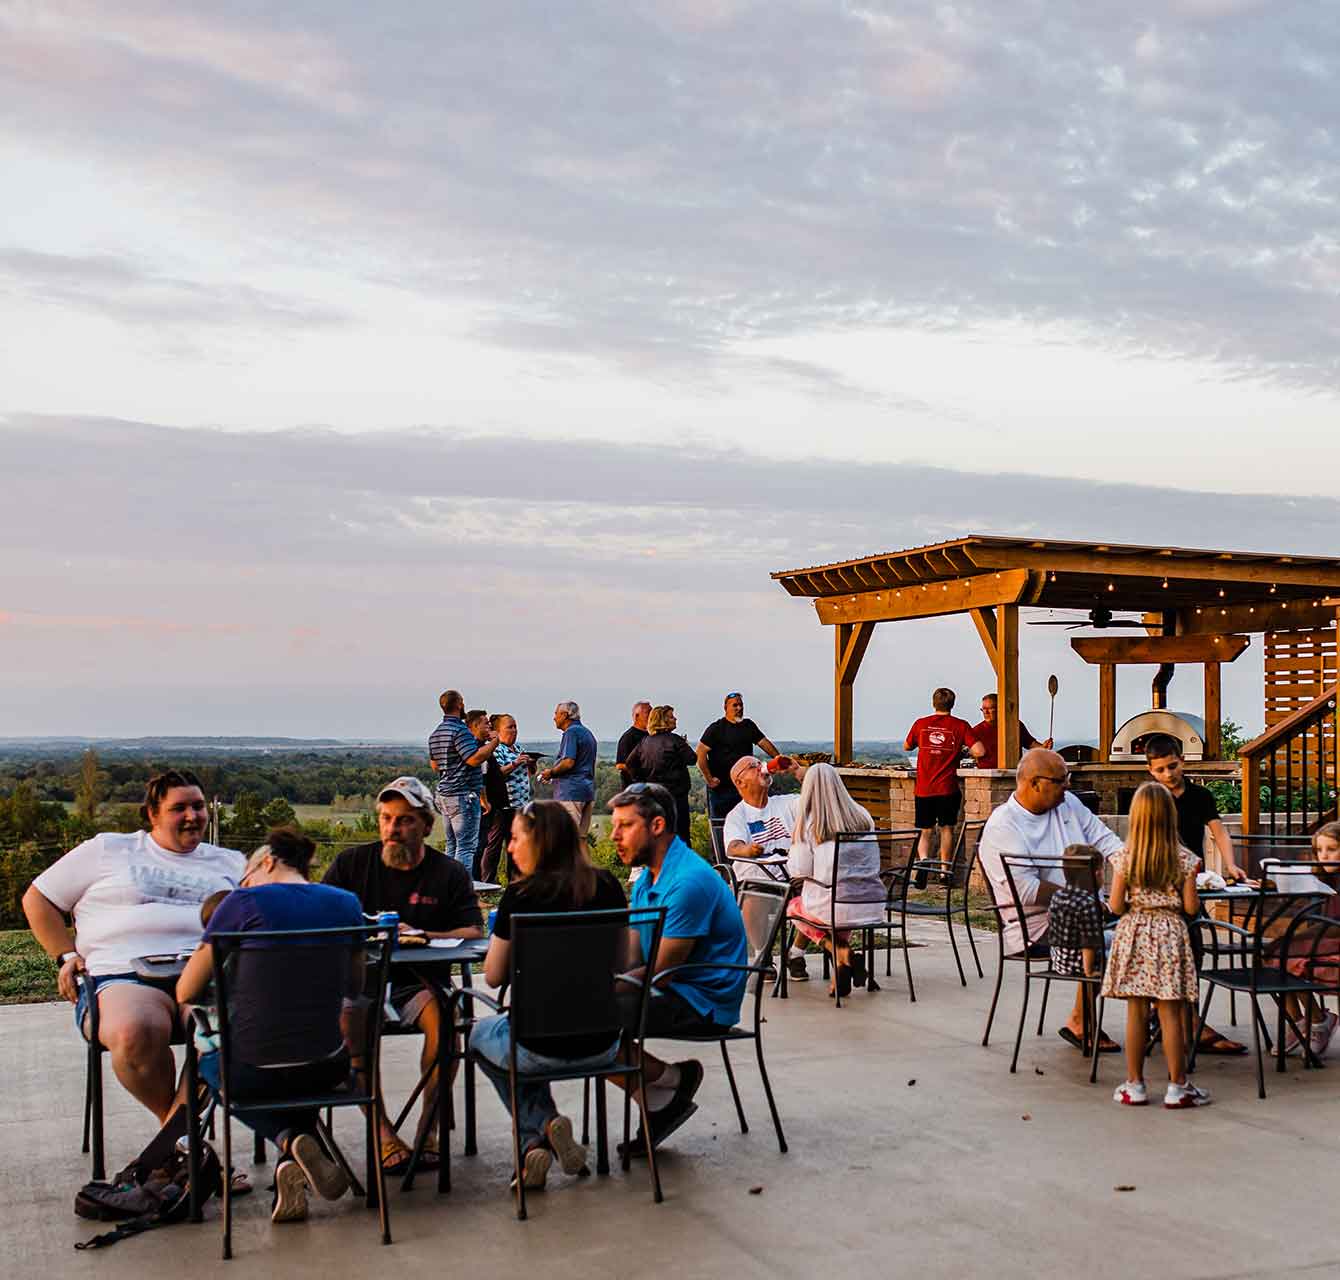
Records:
x=458, y=756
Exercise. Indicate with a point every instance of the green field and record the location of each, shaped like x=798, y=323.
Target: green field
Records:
x=27, y=974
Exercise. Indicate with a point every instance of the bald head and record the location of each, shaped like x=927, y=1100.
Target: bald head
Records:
x=1040, y=780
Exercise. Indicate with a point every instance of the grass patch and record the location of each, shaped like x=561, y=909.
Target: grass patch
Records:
x=26, y=972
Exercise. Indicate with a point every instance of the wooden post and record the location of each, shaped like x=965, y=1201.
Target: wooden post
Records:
x=1007, y=686
x=1214, y=747
x=851, y=639
x=1251, y=794
x=1107, y=709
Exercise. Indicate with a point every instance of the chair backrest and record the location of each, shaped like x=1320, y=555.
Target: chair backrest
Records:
x=280, y=992
x=1033, y=923
x=848, y=844
x=717, y=828
x=564, y=968
x=1251, y=850
x=964, y=856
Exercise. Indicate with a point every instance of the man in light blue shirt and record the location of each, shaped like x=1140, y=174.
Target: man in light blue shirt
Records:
x=702, y=926
x=574, y=772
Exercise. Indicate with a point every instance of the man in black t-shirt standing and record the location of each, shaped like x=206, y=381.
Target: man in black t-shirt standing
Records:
x=1197, y=811
x=722, y=743
x=435, y=898
x=629, y=740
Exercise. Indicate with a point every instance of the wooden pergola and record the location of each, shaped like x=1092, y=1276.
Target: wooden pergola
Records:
x=1197, y=606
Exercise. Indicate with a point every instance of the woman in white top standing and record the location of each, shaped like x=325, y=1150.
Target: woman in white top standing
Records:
x=826, y=811
x=131, y=895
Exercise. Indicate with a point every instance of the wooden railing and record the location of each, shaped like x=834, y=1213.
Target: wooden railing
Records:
x=1295, y=763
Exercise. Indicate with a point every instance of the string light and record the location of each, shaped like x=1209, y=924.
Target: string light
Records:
x=1199, y=610
x=1165, y=584
x=1272, y=588
x=1053, y=576
x=1221, y=593
x=1111, y=586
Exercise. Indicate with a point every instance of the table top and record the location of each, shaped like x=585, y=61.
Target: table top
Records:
x=467, y=951
x=766, y=860
x=1250, y=895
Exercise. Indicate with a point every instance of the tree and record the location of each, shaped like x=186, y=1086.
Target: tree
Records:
x=88, y=790
x=279, y=813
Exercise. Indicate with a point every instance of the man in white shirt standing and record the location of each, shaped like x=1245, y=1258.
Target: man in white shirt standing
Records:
x=1039, y=820
x=133, y=895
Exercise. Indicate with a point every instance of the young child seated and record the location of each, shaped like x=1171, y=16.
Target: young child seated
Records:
x=1075, y=915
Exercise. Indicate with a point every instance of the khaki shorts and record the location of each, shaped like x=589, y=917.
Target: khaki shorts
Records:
x=581, y=813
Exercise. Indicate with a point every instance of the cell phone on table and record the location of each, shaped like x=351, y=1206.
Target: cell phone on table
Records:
x=170, y=957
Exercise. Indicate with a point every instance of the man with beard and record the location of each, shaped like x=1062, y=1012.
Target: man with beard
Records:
x=434, y=896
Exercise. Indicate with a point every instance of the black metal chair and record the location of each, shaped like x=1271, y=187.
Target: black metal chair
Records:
x=564, y=979
x=773, y=901
x=897, y=852
x=934, y=877
x=720, y=863
x=849, y=843
x=1254, y=964
x=94, y=1129
x=1035, y=955
x=250, y=958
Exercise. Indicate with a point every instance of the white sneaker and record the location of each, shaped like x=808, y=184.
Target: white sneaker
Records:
x=1131, y=1094
x=1321, y=1034
x=325, y=1176
x=535, y=1169
x=571, y=1154
x=1178, y=1096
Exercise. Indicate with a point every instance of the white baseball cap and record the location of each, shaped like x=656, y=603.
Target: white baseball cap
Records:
x=412, y=789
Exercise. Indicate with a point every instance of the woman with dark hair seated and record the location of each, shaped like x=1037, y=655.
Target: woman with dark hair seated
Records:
x=553, y=874
x=289, y=1033
x=664, y=757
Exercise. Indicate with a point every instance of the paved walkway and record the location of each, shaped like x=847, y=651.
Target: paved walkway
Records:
x=913, y=1151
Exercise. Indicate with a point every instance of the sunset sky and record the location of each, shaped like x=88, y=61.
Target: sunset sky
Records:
x=350, y=352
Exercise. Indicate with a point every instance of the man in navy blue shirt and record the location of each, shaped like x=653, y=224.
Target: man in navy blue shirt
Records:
x=458, y=756
x=702, y=926
x=574, y=772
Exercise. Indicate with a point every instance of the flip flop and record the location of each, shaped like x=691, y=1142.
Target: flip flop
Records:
x=1105, y=1044
x=1220, y=1046
x=395, y=1157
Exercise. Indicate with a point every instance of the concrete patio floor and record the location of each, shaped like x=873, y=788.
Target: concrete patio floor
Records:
x=969, y=1171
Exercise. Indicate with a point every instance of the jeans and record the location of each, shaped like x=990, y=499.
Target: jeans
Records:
x=491, y=1039
x=460, y=815
x=721, y=800
x=256, y=1084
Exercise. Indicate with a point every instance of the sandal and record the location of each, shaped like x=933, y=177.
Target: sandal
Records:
x=1105, y=1042
x=395, y=1157
x=430, y=1157
x=1215, y=1045
x=239, y=1184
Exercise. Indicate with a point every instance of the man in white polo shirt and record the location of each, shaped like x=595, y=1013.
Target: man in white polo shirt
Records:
x=1040, y=820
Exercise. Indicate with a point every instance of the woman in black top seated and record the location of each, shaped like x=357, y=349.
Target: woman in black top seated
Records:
x=664, y=757
x=284, y=1012
x=553, y=874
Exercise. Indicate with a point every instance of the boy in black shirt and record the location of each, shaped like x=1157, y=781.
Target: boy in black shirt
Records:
x=434, y=896
x=1197, y=811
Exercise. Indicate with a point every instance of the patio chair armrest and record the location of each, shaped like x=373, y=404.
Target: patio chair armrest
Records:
x=932, y=864
x=629, y=979
x=496, y=1004
x=200, y=1019
x=703, y=964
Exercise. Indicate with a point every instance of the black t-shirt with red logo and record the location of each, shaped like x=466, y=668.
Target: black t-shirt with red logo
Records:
x=438, y=895
x=938, y=741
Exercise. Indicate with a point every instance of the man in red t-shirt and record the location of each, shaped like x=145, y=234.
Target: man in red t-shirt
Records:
x=939, y=741
x=982, y=737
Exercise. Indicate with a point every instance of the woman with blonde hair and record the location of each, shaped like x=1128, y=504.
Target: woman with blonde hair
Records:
x=1153, y=883
x=825, y=812
x=664, y=756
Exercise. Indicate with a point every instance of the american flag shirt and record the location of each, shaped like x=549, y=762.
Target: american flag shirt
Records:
x=770, y=826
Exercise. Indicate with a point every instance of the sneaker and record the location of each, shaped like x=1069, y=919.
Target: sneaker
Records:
x=571, y=1154
x=1131, y=1094
x=796, y=970
x=1321, y=1035
x=534, y=1169
x=326, y=1177
x=290, y=1193
x=1185, y=1095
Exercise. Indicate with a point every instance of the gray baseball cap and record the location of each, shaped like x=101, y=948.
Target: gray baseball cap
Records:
x=412, y=789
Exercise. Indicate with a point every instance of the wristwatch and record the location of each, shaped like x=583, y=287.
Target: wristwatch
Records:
x=64, y=956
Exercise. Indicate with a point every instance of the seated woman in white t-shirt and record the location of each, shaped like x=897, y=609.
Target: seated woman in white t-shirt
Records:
x=825, y=812
x=133, y=895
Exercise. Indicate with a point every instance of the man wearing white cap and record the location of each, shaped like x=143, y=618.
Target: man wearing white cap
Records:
x=434, y=896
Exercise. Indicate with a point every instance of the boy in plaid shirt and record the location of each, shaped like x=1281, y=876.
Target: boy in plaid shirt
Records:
x=1075, y=916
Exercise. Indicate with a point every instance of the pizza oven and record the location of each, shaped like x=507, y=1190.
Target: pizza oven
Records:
x=1128, y=747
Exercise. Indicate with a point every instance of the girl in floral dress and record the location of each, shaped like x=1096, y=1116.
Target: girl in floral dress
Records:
x=1154, y=882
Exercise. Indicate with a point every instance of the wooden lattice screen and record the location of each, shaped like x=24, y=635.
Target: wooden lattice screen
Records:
x=1299, y=667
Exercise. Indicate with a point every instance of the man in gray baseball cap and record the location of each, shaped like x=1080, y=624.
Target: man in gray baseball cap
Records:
x=434, y=897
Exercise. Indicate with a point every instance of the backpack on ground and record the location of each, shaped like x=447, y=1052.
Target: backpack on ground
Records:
x=154, y=1190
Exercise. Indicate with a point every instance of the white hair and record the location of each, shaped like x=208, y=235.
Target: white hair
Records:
x=826, y=810
x=637, y=706
x=571, y=709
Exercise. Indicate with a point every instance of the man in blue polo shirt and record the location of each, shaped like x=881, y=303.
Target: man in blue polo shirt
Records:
x=574, y=772
x=458, y=756
x=702, y=926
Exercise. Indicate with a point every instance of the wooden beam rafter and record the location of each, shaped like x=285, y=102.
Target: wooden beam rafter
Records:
x=930, y=600
x=1127, y=650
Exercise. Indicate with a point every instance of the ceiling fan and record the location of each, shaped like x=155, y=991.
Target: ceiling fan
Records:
x=1099, y=617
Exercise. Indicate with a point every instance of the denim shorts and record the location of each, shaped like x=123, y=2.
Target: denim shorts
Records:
x=103, y=980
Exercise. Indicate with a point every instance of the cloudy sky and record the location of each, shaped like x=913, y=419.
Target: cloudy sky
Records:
x=350, y=351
